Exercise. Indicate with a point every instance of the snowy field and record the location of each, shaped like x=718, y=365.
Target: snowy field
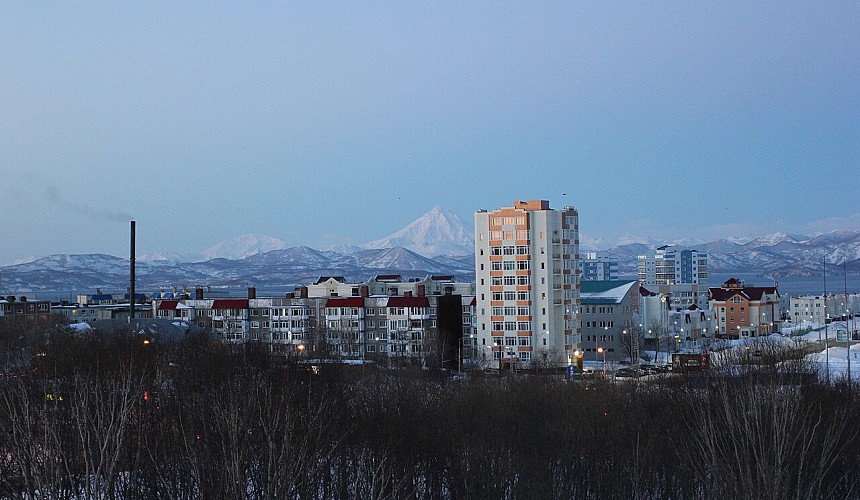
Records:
x=834, y=358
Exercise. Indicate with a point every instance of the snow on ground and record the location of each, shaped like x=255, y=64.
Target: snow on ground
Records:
x=834, y=358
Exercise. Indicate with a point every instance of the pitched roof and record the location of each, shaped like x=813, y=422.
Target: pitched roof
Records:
x=345, y=302
x=408, y=302
x=230, y=304
x=168, y=305
x=604, y=292
x=748, y=292
x=323, y=279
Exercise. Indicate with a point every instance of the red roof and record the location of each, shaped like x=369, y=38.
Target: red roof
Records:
x=749, y=292
x=408, y=302
x=345, y=302
x=230, y=304
x=168, y=305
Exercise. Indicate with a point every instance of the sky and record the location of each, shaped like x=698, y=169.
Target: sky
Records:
x=328, y=123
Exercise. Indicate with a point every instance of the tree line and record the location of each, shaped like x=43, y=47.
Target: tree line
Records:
x=108, y=416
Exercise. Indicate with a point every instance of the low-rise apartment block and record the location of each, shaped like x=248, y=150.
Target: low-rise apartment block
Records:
x=745, y=311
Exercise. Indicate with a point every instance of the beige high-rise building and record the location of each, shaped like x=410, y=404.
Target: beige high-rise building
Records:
x=527, y=285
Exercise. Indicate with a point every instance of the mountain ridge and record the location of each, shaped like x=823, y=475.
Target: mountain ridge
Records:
x=438, y=242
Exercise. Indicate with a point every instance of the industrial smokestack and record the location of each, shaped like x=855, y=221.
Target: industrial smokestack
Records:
x=131, y=275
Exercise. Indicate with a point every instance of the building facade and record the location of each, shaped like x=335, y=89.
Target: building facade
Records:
x=407, y=328
x=598, y=266
x=527, y=284
x=744, y=311
x=679, y=272
x=610, y=311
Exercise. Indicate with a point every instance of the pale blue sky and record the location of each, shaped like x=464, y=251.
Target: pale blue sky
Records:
x=340, y=122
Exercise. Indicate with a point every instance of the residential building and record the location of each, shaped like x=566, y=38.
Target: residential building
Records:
x=679, y=272
x=397, y=329
x=23, y=310
x=654, y=313
x=598, y=266
x=610, y=312
x=387, y=284
x=745, y=311
x=527, y=283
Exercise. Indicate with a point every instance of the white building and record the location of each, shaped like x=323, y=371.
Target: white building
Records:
x=598, y=266
x=807, y=308
x=527, y=286
x=679, y=272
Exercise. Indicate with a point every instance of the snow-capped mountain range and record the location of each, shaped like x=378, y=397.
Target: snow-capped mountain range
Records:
x=438, y=242
x=438, y=232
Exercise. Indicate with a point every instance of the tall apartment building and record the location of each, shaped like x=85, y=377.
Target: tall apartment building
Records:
x=598, y=266
x=679, y=272
x=527, y=284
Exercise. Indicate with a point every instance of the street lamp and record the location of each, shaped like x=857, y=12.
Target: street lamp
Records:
x=601, y=350
x=498, y=344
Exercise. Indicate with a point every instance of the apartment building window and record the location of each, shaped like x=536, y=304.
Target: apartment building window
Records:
x=522, y=250
x=524, y=326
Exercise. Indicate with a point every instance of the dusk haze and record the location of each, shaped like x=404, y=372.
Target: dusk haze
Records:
x=340, y=123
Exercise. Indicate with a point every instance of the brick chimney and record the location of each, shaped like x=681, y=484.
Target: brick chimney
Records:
x=252, y=293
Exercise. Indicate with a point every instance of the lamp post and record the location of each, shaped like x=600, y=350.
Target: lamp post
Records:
x=601, y=350
x=499, y=344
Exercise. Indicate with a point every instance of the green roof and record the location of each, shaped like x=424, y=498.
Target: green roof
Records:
x=604, y=292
